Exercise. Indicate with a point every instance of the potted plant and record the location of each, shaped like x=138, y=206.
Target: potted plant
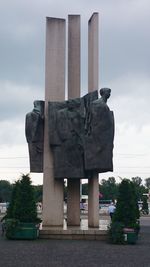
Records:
x=21, y=217
x=126, y=215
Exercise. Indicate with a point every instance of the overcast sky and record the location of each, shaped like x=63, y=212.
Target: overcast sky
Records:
x=124, y=67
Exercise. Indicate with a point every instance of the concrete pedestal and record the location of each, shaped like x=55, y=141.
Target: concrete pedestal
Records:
x=73, y=196
x=93, y=202
x=73, y=203
x=93, y=70
x=54, y=91
x=79, y=233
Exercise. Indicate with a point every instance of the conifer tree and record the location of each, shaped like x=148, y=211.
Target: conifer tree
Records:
x=23, y=204
x=127, y=207
x=11, y=207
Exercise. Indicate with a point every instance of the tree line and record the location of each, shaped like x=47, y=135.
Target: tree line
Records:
x=108, y=189
x=6, y=189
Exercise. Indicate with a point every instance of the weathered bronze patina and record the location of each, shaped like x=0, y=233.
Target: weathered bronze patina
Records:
x=34, y=131
x=81, y=134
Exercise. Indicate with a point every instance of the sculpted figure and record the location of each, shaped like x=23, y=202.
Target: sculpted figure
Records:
x=67, y=122
x=34, y=131
x=98, y=149
x=81, y=134
x=66, y=130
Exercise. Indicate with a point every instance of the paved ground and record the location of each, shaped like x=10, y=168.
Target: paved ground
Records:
x=72, y=253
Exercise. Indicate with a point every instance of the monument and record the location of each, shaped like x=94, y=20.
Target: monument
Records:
x=34, y=129
x=73, y=139
x=81, y=133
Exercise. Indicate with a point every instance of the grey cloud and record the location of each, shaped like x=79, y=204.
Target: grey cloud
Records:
x=124, y=65
x=124, y=46
x=12, y=132
x=131, y=105
x=124, y=39
x=22, y=62
x=16, y=100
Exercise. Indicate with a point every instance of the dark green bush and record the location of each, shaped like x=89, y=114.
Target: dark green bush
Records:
x=127, y=211
x=126, y=214
x=22, y=206
x=116, y=235
x=11, y=225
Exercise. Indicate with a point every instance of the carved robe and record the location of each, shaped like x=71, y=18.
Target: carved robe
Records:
x=98, y=148
x=66, y=129
x=34, y=130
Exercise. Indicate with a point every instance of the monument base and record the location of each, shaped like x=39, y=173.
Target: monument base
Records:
x=76, y=233
x=73, y=234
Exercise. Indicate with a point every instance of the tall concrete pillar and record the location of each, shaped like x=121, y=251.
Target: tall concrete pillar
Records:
x=93, y=80
x=73, y=195
x=54, y=91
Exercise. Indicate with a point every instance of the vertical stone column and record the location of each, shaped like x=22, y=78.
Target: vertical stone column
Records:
x=54, y=91
x=93, y=79
x=73, y=195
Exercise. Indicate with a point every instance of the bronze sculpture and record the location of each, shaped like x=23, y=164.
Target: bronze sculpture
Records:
x=100, y=135
x=34, y=131
x=81, y=134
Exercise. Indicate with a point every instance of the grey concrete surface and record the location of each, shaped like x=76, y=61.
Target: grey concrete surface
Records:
x=74, y=253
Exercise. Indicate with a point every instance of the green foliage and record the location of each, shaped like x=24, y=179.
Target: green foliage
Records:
x=136, y=226
x=5, y=191
x=109, y=188
x=127, y=212
x=139, y=188
x=11, y=225
x=134, y=194
x=127, y=207
x=115, y=231
x=23, y=205
x=137, y=180
x=145, y=209
x=38, y=189
x=11, y=208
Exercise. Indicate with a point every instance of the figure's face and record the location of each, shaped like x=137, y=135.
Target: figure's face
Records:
x=38, y=105
x=107, y=93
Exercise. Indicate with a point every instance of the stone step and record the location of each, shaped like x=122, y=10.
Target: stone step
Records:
x=73, y=234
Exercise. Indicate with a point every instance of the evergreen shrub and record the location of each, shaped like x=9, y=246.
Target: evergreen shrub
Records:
x=127, y=212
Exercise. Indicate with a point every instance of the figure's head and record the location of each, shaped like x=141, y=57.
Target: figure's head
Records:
x=105, y=92
x=72, y=104
x=39, y=106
